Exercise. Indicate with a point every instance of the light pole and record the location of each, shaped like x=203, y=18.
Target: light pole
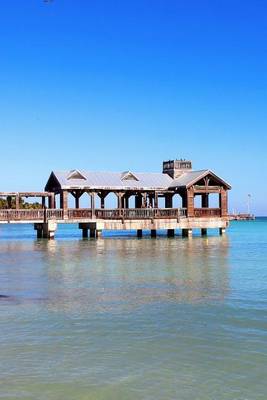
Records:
x=249, y=203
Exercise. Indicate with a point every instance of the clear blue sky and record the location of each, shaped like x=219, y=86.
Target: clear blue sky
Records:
x=116, y=85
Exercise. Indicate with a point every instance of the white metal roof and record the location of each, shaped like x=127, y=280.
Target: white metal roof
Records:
x=75, y=179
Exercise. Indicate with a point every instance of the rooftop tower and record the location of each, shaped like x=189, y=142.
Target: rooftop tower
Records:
x=176, y=168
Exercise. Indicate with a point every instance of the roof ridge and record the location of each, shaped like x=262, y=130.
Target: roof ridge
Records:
x=108, y=172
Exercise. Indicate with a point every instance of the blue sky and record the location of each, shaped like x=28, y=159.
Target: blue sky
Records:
x=117, y=85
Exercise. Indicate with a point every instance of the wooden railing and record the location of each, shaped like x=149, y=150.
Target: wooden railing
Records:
x=115, y=214
x=140, y=213
x=22, y=215
x=207, y=212
x=79, y=213
x=54, y=213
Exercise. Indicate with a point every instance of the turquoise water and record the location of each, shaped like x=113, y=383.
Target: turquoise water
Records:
x=124, y=318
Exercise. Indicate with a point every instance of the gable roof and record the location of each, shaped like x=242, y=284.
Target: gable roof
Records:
x=110, y=180
x=189, y=178
x=125, y=180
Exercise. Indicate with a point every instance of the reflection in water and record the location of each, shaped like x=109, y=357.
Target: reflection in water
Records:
x=116, y=274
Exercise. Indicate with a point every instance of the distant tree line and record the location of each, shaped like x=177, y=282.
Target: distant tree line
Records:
x=22, y=204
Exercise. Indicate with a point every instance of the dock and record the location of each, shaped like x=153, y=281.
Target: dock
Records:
x=143, y=201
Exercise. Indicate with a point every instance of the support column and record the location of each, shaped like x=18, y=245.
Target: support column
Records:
x=170, y=233
x=92, y=195
x=153, y=233
x=49, y=229
x=77, y=201
x=43, y=202
x=224, y=203
x=222, y=231
x=85, y=227
x=64, y=203
x=98, y=233
x=144, y=200
x=139, y=233
x=9, y=202
x=85, y=233
x=205, y=200
x=150, y=199
x=92, y=233
x=156, y=201
x=138, y=201
x=119, y=200
x=52, y=201
x=187, y=232
x=17, y=201
x=190, y=202
x=39, y=229
x=184, y=200
x=204, y=232
x=168, y=200
x=46, y=230
x=126, y=201
x=102, y=201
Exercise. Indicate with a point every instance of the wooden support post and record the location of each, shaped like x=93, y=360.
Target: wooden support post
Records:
x=77, y=201
x=144, y=200
x=43, y=202
x=102, y=202
x=17, y=201
x=120, y=200
x=92, y=204
x=52, y=201
x=150, y=200
x=64, y=203
x=139, y=233
x=170, y=233
x=126, y=201
x=190, y=202
x=184, y=200
x=168, y=200
x=156, y=200
x=138, y=201
x=223, y=202
x=153, y=233
x=9, y=202
x=205, y=200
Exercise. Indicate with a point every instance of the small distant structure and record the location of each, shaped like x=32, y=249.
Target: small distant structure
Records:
x=248, y=216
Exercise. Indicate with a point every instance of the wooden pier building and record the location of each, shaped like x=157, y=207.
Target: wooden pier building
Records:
x=176, y=198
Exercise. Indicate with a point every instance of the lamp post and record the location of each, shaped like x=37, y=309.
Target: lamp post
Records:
x=249, y=203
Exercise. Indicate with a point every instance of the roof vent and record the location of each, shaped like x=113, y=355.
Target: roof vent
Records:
x=128, y=176
x=75, y=174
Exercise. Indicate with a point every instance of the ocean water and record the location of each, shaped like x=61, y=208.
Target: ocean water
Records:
x=127, y=318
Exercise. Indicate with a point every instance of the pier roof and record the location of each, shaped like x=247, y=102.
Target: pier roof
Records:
x=190, y=178
x=108, y=180
x=126, y=180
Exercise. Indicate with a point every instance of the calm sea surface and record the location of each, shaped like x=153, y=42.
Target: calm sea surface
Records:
x=124, y=318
